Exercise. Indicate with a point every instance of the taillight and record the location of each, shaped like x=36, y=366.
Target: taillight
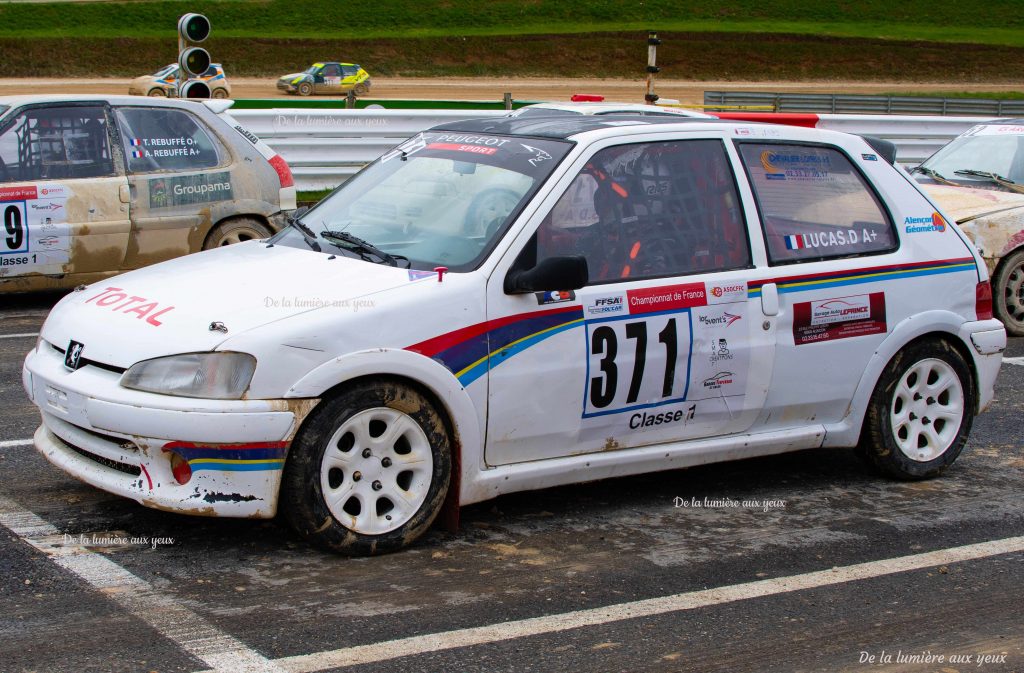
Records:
x=983, y=300
x=284, y=174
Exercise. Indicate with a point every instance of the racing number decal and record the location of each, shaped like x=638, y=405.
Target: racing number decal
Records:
x=14, y=228
x=633, y=363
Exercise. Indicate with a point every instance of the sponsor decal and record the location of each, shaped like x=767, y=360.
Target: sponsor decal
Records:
x=49, y=206
x=839, y=318
x=17, y=193
x=720, y=351
x=606, y=305
x=718, y=381
x=869, y=157
x=185, y=190
x=468, y=139
x=163, y=147
x=872, y=274
x=829, y=239
x=48, y=241
x=644, y=420
x=248, y=135
x=724, y=319
x=916, y=225
x=73, y=355
x=472, y=149
x=119, y=301
x=794, y=166
x=720, y=293
x=668, y=298
x=743, y=131
x=231, y=457
x=53, y=191
x=555, y=297
x=420, y=275
x=539, y=155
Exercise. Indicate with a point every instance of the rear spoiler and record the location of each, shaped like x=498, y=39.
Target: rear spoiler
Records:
x=219, y=105
x=885, y=149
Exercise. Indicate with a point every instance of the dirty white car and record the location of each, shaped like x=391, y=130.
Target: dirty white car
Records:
x=513, y=304
x=91, y=186
x=978, y=179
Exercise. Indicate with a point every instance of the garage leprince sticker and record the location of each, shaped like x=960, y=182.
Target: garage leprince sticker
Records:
x=188, y=189
x=839, y=318
x=35, y=236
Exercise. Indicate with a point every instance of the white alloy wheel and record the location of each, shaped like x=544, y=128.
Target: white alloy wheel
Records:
x=927, y=410
x=376, y=471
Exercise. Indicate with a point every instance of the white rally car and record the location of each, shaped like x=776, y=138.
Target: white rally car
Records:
x=513, y=304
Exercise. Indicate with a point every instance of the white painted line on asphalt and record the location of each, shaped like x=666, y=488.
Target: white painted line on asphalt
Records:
x=185, y=628
x=494, y=633
x=1014, y=361
x=23, y=335
x=14, y=443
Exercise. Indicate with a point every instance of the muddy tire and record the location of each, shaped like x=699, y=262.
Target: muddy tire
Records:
x=362, y=88
x=157, y=93
x=920, y=413
x=237, y=230
x=1008, y=293
x=305, y=89
x=220, y=93
x=369, y=470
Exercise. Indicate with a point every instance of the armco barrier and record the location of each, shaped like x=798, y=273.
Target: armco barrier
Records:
x=324, y=147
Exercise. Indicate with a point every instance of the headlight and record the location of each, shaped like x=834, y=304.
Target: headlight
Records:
x=223, y=376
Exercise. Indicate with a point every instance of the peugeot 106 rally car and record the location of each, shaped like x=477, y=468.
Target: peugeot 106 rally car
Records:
x=164, y=82
x=91, y=186
x=511, y=304
x=978, y=178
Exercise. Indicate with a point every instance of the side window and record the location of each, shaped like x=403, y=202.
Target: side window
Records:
x=331, y=70
x=58, y=143
x=165, y=139
x=650, y=210
x=349, y=70
x=814, y=204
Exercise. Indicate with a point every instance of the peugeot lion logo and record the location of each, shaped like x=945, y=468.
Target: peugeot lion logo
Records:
x=73, y=355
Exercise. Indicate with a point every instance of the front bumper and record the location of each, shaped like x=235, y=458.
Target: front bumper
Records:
x=125, y=442
x=287, y=86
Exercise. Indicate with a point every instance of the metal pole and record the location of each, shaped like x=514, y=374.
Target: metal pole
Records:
x=652, y=69
x=508, y=100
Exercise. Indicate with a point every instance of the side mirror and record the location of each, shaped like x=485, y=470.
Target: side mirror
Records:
x=554, y=273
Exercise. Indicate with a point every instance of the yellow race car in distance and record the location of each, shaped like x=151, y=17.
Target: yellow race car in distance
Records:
x=328, y=77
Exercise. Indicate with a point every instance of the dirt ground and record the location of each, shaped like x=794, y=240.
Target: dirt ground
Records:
x=687, y=92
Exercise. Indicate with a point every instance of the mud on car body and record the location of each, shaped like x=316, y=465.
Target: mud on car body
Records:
x=514, y=304
x=93, y=186
x=329, y=77
x=164, y=82
x=978, y=179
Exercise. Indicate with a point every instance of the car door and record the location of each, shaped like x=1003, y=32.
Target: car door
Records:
x=665, y=343
x=177, y=169
x=329, y=79
x=63, y=193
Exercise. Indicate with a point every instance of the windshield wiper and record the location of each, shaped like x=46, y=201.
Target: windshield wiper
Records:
x=993, y=177
x=364, y=249
x=934, y=175
x=306, y=232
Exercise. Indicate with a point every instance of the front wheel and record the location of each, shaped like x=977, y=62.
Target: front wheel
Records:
x=1008, y=293
x=157, y=93
x=920, y=413
x=305, y=89
x=220, y=93
x=369, y=470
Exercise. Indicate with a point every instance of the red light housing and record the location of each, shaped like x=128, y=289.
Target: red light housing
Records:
x=586, y=98
x=284, y=174
x=180, y=468
x=983, y=300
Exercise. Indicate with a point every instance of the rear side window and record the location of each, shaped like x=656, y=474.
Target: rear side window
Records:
x=814, y=204
x=165, y=139
x=58, y=143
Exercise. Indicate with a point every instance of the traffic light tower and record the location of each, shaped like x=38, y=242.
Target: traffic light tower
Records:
x=192, y=61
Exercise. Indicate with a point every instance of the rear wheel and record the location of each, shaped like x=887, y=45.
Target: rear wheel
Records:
x=1008, y=293
x=305, y=89
x=920, y=413
x=369, y=470
x=362, y=88
x=238, y=230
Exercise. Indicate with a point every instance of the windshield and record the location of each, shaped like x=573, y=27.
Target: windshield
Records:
x=166, y=70
x=440, y=199
x=312, y=70
x=997, y=149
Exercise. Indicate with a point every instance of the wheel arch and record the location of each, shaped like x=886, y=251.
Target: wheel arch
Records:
x=208, y=229
x=921, y=327
x=435, y=381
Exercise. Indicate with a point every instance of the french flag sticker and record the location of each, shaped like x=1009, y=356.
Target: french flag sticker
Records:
x=136, y=154
x=136, y=142
x=795, y=242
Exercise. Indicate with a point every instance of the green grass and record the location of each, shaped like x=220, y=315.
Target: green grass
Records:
x=999, y=22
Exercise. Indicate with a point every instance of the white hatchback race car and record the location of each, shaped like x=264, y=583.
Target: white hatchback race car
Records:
x=513, y=304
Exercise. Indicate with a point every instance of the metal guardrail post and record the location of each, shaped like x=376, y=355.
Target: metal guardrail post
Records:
x=507, y=98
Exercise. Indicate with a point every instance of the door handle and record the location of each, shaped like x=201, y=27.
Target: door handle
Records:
x=124, y=193
x=770, y=299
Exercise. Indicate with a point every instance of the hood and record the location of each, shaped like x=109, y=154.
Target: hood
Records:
x=969, y=203
x=169, y=308
x=292, y=76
